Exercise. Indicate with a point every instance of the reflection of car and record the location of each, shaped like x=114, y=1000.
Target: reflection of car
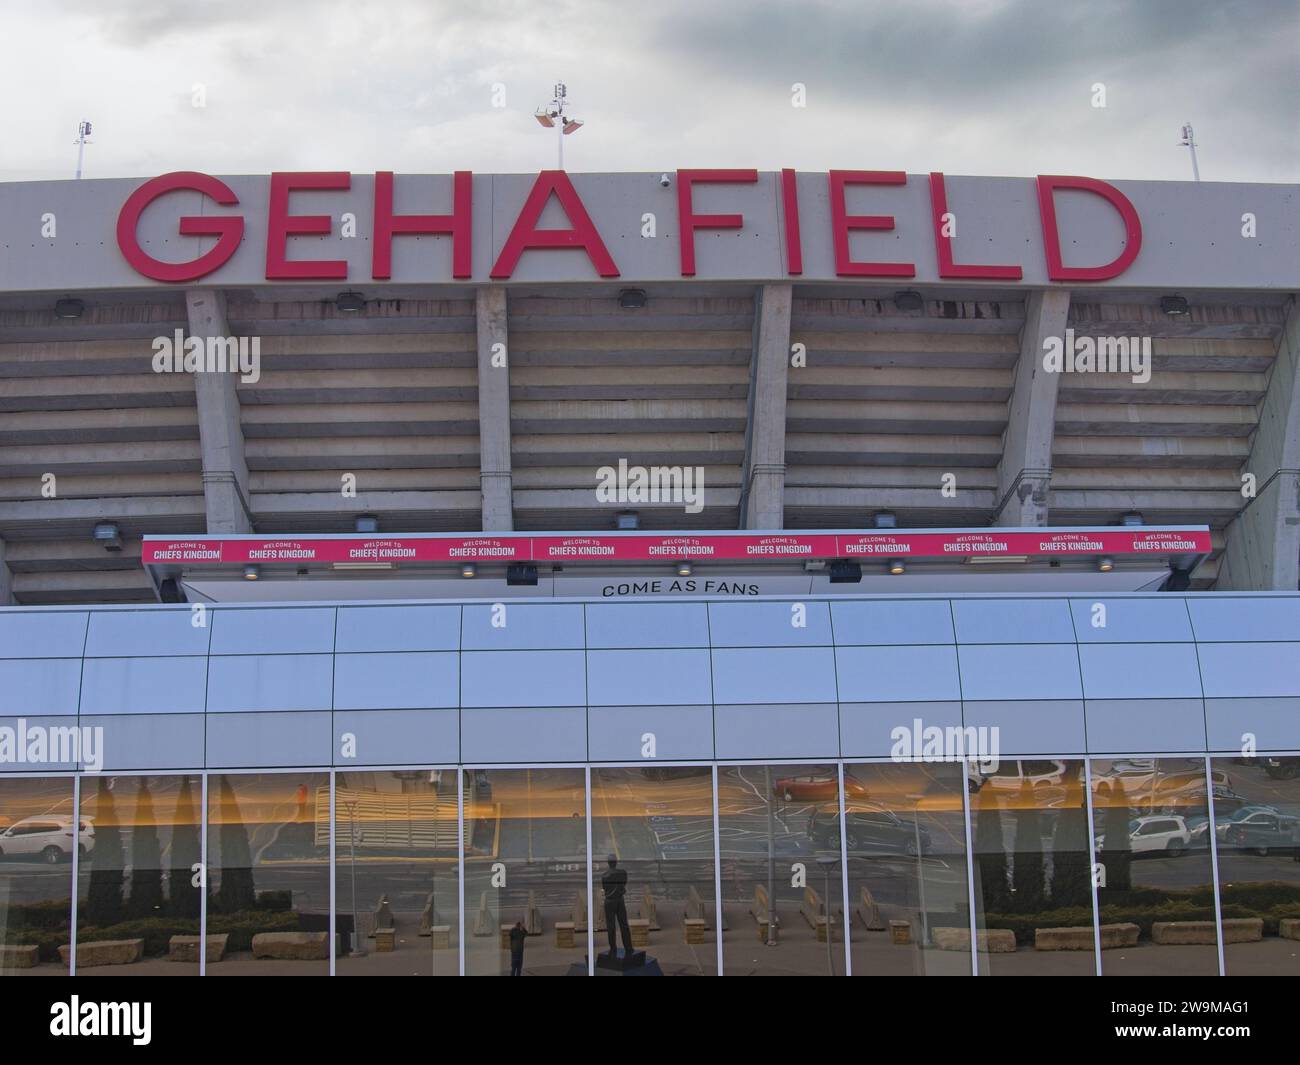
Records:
x=871, y=829
x=819, y=787
x=1259, y=829
x=1011, y=773
x=1227, y=801
x=48, y=838
x=1166, y=833
x=1285, y=768
x=675, y=772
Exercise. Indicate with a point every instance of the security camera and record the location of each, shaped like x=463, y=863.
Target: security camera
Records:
x=665, y=180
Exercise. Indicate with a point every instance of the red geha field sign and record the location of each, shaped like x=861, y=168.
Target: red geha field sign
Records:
x=582, y=233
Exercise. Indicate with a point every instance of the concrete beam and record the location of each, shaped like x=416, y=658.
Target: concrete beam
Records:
x=225, y=473
x=1025, y=471
x=494, y=410
x=1263, y=541
x=763, y=502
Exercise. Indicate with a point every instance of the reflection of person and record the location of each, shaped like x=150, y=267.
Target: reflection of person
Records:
x=302, y=802
x=614, y=885
x=518, y=937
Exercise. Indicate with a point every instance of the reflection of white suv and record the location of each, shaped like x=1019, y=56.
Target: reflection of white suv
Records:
x=1167, y=833
x=1011, y=773
x=49, y=838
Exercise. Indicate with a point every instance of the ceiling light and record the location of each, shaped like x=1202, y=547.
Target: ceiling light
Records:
x=468, y=569
x=349, y=302
x=1105, y=563
x=251, y=572
x=885, y=519
x=683, y=568
x=366, y=524
x=897, y=565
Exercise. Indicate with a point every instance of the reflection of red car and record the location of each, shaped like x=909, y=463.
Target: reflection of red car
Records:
x=820, y=788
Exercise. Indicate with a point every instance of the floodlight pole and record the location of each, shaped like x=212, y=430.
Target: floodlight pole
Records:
x=1189, y=140
x=83, y=131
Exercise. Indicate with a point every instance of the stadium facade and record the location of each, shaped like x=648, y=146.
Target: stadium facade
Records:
x=894, y=574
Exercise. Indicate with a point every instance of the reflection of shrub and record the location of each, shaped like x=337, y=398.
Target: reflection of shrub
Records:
x=242, y=927
x=48, y=916
x=155, y=931
x=275, y=901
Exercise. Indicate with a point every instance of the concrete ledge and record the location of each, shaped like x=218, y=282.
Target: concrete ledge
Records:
x=105, y=952
x=1080, y=937
x=1289, y=928
x=987, y=941
x=22, y=956
x=293, y=946
x=186, y=948
x=1235, y=930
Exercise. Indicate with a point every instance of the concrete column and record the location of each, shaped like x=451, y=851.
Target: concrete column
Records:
x=6, y=579
x=763, y=493
x=1262, y=550
x=221, y=438
x=494, y=410
x=1025, y=470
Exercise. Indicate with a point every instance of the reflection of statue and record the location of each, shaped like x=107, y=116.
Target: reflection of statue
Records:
x=614, y=884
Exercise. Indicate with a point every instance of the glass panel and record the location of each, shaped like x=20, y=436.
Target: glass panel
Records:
x=144, y=685
x=262, y=630
x=894, y=621
x=647, y=625
x=777, y=884
x=1140, y=671
x=39, y=687
x=396, y=872
x=1013, y=621
x=548, y=627
x=1257, y=828
x=1033, y=894
x=769, y=624
x=1139, y=620
x=159, y=631
x=1151, y=819
x=136, y=893
x=774, y=675
x=35, y=874
x=411, y=680
x=653, y=678
x=1249, y=619
x=398, y=628
x=907, y=866
x=1260, y=669
x=42, y=634
x=897, y=674
x=270, y=682
x=525, y=871
x=268, y=862
x=657, y=822
x=523, y=678
x=1020, y=672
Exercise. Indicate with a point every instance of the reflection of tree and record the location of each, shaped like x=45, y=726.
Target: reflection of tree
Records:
x=104, y=894
x=237, y=891
x=1071, y=864
x=991, y=857
x=1027, y=871
x=146, y=858
x=1116, y=853
x=185, y=900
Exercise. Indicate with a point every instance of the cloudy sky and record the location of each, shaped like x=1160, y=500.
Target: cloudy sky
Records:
x=970, y=87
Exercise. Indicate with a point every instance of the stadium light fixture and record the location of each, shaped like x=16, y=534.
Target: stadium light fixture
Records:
x=897, y=566
x=683, y=568
x=366, y=524
x=251, y=572
x=1105, y=564
x=632, y=299
x=908, y=300
x=349, y=302
x=521, y=574
x=553, y=116
x=843, y=572
x=468, y=570
x=1174, y=306
x=69, y=308
x=108, y=534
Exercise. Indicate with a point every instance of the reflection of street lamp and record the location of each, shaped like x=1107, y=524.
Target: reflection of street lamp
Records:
x=358, y=951
x=771, y=858
x=827, y=862
x=920, y=869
